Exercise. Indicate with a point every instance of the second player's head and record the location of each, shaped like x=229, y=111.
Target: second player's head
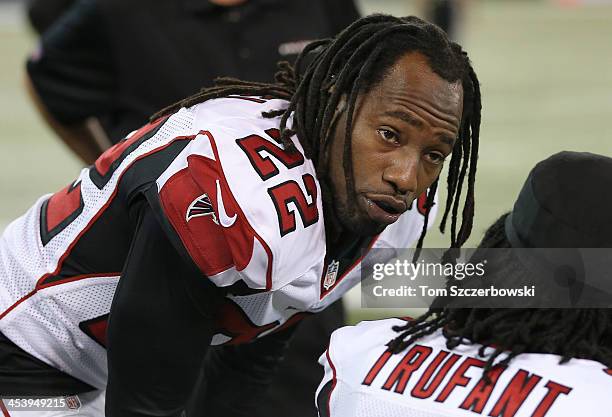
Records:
x=561, y=205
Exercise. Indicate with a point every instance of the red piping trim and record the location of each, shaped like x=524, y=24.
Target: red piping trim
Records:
x=76, y=278
x=3, y=408
x=105, y=206
x=21, y=300
x=40, y=283
x=324, y=292
x=53, y=284
x=334, y=381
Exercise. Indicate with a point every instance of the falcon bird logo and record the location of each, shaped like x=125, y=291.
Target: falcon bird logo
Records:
x=201, y=206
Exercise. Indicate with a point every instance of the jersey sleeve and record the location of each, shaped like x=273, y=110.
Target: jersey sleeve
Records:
x=72, y=70
x=242, y=208
x=159, y=328
x=351, y=347
x=335, y=395
x=323, y=397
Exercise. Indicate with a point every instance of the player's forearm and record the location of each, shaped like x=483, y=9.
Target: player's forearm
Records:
x=242, y=371
x=80, y=138
x=157, y=338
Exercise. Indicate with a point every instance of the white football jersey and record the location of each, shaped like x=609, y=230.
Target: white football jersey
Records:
x=245, y=211
x=428, y=380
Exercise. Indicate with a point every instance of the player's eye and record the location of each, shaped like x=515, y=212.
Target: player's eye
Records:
x=388, y=136
x=435, y=158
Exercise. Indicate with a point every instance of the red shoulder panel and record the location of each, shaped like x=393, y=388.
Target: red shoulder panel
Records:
x=211, y=225
x=200, y=235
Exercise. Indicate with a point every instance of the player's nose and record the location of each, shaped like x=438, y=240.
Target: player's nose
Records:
x=402, y=172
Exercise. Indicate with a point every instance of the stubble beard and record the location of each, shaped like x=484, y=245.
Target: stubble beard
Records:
x=349, y=214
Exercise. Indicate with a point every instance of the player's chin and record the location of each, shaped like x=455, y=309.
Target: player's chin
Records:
x=370, y=219
x=374, y=229
x=359, y=222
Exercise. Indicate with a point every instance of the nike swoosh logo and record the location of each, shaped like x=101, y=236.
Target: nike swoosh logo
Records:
x=224, y=219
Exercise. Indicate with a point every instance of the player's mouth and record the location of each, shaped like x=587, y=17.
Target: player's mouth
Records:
x=384, y=209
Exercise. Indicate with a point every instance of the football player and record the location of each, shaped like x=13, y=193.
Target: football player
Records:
x=229, y=217
x=496, y=362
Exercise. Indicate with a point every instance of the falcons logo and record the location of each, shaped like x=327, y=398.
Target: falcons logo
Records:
x=201, y=206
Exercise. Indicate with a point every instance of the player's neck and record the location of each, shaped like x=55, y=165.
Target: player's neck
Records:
x=334, y=232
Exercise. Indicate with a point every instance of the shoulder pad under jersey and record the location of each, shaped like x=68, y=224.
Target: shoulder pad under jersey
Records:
x=242, y=206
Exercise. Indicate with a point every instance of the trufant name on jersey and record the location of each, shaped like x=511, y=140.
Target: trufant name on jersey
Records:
x=479, y=399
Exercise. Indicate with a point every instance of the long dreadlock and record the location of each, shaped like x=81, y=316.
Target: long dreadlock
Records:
x=348, y=65
x=576, y=333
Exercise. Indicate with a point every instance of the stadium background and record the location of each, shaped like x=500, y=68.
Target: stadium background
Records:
x=546, y=74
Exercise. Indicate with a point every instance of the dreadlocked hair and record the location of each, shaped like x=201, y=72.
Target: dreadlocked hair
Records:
x=575, y=333
x=341, y=68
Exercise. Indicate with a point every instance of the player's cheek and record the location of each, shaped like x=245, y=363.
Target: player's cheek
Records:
x=427, y=176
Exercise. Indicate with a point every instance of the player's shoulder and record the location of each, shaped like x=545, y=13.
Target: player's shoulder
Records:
x=372, y=326
x=365, y=335
x=238, y=199
x=589, y=378
x=234, y=107
x=359, y=357
x=577, y=386
x=352, y=349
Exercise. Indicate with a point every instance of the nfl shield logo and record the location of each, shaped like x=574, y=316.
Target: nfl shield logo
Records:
x=330, y=276
x=73, y=402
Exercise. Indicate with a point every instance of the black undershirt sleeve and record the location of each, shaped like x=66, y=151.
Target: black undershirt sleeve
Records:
x=159, y=332
x=157, y=336
x=236, y=377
